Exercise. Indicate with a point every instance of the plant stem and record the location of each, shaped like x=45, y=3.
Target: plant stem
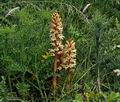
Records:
x=69, y=77
x=54, y=81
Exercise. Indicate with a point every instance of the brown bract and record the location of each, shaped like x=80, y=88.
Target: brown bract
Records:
x=69, y=54
x=56, y=36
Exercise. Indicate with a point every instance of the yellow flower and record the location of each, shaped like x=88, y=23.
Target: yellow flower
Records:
x=46, y=55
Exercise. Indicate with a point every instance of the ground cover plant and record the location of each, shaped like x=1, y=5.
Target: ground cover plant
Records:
x=59, y=51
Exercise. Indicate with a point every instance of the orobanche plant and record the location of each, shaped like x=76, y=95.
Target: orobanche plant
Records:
x=64, y=56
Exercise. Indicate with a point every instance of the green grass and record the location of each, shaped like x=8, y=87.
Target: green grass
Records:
x=24, y=41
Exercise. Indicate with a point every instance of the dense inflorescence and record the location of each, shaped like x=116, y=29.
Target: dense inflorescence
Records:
x=56, y=36
x=70, y=55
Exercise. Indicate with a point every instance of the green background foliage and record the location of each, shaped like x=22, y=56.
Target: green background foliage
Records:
x=25, y=63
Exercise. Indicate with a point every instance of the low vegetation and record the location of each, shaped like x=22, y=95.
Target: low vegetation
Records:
x=60, y=51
